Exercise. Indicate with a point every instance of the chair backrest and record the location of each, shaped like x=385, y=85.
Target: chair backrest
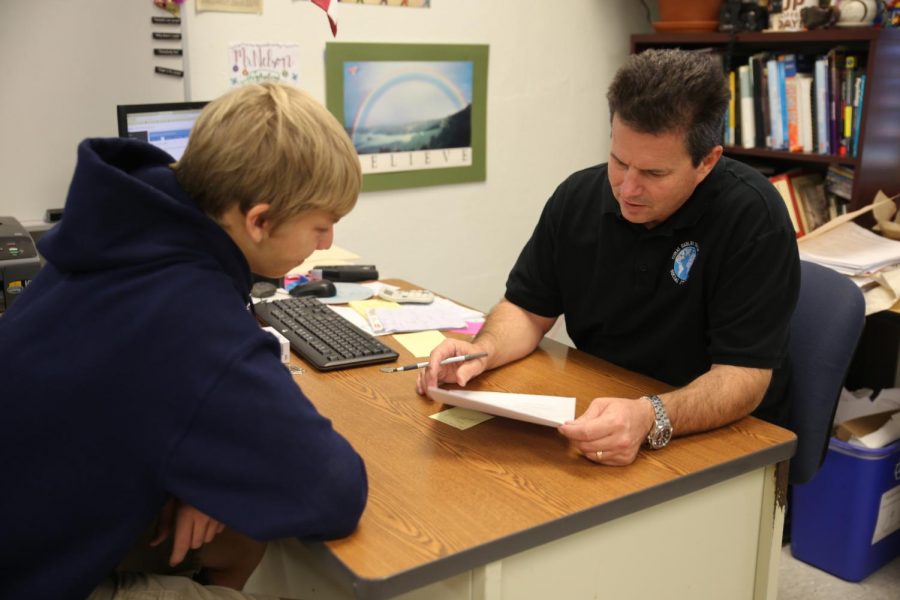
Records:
x=825, y=329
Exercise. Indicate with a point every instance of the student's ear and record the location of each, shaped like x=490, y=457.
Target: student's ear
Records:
x=256, y=222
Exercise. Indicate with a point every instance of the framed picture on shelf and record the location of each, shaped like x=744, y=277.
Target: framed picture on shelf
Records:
x=416, y=113
x=787, y=16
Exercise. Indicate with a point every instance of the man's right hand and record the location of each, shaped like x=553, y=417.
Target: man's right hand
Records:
x=458, y=373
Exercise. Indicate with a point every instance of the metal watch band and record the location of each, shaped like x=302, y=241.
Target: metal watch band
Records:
x=661, y=432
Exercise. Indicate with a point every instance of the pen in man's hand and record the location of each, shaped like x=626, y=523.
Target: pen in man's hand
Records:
x=446, y=361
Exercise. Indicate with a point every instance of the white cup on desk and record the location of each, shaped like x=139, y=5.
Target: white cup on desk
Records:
x=856, y=13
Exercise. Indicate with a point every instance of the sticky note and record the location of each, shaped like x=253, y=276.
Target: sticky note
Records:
x=420, y=343
x=461, y=418
x=361, y=306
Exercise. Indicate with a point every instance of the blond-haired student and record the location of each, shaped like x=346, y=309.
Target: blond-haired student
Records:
x=139, y=387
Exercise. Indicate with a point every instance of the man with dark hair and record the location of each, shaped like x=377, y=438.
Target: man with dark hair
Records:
x=670, y=260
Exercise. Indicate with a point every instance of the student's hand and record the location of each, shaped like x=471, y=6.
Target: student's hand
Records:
x=614, y=427
x=193, y=528
x=458, y=373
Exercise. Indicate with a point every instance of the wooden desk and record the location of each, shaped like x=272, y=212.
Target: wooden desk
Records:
x=508, y=510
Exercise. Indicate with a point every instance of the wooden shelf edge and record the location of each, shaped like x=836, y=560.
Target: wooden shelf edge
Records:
x=834, y=34
x=792, y=156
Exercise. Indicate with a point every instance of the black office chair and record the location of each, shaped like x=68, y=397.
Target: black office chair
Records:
x=825, y=329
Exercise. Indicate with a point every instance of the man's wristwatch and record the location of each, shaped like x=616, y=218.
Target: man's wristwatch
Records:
x=661, y=432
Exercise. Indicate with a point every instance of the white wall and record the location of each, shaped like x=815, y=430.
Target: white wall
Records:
x=550, y=63
x=65, y=66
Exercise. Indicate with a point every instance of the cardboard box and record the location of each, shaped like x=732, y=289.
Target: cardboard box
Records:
x=887, y=424
x=846, y=520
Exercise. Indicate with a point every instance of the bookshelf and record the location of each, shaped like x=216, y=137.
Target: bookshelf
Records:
x=876, y=165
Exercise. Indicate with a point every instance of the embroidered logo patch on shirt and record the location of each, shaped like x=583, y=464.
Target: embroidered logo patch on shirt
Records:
x=682, y=260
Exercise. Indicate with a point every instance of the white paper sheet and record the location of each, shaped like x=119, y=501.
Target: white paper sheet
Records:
x=440, y=314
x=850, y=249
x=552, y=411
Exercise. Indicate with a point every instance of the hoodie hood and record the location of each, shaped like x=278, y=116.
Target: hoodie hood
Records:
x=125, y=209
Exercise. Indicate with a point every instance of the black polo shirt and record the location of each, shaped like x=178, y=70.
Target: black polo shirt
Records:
x=715, y=283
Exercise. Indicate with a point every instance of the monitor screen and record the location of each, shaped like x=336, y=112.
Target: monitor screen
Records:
x=166, y=126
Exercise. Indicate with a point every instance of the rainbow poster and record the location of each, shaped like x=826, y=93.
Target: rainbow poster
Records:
x=411, y=108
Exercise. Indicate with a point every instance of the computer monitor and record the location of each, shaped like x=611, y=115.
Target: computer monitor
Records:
x=165, y=125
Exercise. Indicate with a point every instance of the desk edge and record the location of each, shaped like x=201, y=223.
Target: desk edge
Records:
x=442, y=568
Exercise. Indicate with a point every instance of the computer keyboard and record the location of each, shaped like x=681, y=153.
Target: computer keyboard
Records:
x=321, y=336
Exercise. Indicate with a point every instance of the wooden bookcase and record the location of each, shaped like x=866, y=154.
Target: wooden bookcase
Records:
x=877, y=164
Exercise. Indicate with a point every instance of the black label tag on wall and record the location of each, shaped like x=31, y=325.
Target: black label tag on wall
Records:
x=167, y=51
x=165, y=20
x=166, y=36
x=172, y=72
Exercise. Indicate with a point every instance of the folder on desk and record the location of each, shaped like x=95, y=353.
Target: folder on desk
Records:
x=440, y=314
x=552, y=411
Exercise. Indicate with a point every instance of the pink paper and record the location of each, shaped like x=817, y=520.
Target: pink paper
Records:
x=471, y=328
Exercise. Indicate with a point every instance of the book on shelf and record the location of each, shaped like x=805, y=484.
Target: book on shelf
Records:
x=835, y=59
x=782, y=183
x=797, y=102
x=776, y=139
x=839, y=181
x=823, y=145
x=761, y=96
x=857, y=113
x=730, y=111
x=848, y=77
x=809, y=192
x=748, y=123
x=791, y=102
x=805, y=127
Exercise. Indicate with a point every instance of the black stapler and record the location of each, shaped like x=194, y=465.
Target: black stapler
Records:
x=345, y=273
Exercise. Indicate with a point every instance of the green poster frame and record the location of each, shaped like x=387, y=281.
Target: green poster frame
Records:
x=338, y=53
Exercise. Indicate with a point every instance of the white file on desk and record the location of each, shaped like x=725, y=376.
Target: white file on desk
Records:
x=440, y=314
x=552, y=411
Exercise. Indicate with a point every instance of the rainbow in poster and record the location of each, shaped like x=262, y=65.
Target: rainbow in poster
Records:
x=405, y=106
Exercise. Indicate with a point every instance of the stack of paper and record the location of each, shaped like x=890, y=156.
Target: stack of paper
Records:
x=440, y=314
x=850, y=249
x=542, y=410
x=335, y=255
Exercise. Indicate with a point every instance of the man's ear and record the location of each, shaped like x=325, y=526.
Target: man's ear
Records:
x=708, y=162
x=256, y=222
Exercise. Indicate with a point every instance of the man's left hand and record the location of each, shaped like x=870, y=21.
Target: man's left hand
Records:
x=611, y=430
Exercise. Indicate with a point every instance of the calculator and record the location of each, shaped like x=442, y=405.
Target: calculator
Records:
x=407, y=296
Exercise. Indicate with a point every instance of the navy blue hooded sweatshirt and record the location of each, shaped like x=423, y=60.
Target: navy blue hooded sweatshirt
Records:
x=132, y=371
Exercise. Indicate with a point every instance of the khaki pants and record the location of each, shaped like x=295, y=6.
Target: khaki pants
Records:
x=145, y=574
x=147, y=586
